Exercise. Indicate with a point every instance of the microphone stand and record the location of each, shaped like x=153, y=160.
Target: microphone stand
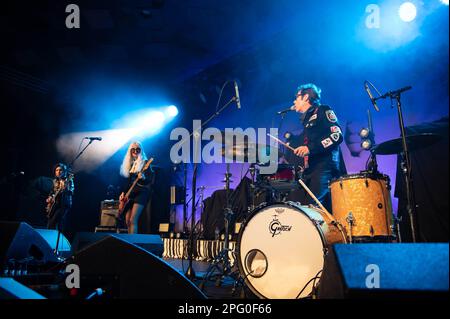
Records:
x=69, y=168
x=81, y=152
x=280, y=124
x=372, y=166
x=185, y=198
x=190, y=273
x=406, y=162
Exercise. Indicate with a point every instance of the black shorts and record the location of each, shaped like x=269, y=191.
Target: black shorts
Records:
x=140, y=195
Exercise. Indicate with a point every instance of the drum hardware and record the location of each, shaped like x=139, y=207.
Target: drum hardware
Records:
x=397, y=222
x=339, y=226
x=223, y=258
x=350, y=221
x=318, y=222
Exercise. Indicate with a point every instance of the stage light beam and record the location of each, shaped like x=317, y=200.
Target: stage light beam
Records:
x=151, y=122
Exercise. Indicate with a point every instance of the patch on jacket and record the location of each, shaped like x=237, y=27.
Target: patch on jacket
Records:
x=335, y=129
x=335, y=136
x=331, y=116
x=326, y=142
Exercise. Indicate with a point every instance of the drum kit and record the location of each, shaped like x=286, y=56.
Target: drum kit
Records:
x=281, y=246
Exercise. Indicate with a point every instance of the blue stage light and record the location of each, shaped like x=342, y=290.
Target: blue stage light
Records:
x=407, y=11
x=172, y=111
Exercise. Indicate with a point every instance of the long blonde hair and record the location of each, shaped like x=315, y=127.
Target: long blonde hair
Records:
x=127, y=163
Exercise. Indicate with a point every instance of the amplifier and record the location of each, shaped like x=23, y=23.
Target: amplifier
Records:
x=109, y=211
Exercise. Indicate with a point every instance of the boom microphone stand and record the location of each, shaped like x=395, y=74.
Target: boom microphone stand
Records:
x=69, y=168
x=190, y=273
x=406, y=162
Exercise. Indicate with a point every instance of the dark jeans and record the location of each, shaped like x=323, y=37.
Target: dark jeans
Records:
x=59, y=219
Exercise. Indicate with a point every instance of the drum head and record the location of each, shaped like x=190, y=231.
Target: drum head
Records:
x=280, y=251
x=361, y=175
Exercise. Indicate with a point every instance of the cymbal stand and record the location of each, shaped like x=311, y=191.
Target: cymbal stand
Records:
x=223, y=256
x=252, y=170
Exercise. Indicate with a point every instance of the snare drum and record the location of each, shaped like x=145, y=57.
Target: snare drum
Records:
x=283, y=179
x=362, y=204
x=281, y=249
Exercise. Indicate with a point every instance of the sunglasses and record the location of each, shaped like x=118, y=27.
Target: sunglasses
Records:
x=137, y=150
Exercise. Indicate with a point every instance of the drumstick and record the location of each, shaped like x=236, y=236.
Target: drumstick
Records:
x=313, y=196
x=281, y=142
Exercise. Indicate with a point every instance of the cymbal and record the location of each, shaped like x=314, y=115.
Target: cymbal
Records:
x=414, y=142
x=247, y=150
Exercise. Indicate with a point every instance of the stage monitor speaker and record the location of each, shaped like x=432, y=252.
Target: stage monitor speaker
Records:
x=11, y=289
x=124, y=270
x=385, y=271
x=19, y=242
x=151, y=243
x=51, y=237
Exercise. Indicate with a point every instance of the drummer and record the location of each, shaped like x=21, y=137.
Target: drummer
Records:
x=317, y=145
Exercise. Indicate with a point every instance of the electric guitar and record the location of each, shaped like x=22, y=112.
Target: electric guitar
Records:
x=49, y=209
x=123, y=203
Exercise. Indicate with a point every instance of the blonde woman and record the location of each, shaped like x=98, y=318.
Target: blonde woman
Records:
x=131, y=167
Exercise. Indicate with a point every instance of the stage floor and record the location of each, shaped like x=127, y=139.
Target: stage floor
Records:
x=212, y=288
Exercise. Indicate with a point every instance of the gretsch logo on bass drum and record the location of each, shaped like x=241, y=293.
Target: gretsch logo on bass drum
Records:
x=275, y=227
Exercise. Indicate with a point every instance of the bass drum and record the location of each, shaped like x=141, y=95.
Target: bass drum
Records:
x=281, y=249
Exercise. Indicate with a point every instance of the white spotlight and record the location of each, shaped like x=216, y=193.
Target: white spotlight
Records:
x=172, y=111
x=407, y=11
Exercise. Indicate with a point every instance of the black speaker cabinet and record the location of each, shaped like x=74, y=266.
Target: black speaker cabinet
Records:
x=125, y=270
x=19, y=242
x=151, y=242
x=385, y=271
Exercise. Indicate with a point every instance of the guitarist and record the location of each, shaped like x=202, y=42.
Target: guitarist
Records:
x=131, y=168
x=59, y=201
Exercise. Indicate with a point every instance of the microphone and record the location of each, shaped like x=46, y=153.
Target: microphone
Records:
x=292, y=108
x=371, y=96
x=236, y=90
x=93, y=138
